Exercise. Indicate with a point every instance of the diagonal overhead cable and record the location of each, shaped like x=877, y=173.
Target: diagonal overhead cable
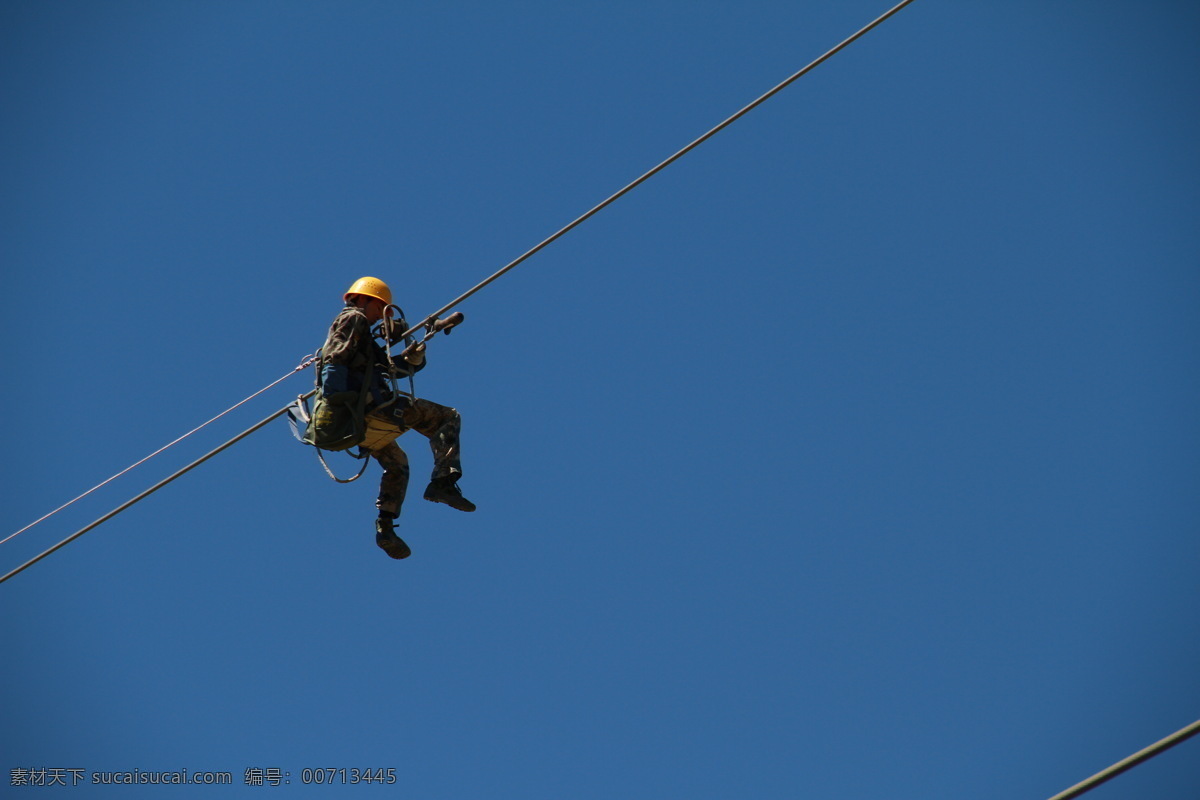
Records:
x=779, y=87
x=307, y=362
x=1162, y=745
x=428, y=321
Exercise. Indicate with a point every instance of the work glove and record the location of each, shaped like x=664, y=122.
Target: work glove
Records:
x=414, y=355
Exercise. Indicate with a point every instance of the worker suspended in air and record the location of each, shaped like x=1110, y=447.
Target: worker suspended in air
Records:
x=356, y=383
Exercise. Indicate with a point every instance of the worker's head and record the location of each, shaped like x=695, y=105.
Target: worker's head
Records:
x=371, y=295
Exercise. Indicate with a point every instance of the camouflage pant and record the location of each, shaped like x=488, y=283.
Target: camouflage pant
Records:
x=441, y=425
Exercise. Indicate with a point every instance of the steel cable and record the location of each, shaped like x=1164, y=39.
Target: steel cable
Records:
x=307, y=362
x=1129, y=763
x=667, y=162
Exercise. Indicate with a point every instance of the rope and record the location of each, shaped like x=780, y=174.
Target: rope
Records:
x=308, y=362
x=428, y=321
x=151, y=490
x=1129, y=763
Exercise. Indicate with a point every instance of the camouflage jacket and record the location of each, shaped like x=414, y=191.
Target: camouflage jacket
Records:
x=350, y=351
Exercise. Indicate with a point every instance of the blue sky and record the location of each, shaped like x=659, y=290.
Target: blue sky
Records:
x=854, y=456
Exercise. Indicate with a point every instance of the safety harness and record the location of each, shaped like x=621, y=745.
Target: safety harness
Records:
x=341, y=426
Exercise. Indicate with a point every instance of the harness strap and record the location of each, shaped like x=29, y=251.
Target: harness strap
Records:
x=361, y=470
x=298, y=417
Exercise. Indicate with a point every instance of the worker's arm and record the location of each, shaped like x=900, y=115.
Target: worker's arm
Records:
x=343, y=355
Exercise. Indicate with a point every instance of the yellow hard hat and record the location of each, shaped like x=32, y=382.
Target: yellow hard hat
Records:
x=371, y=287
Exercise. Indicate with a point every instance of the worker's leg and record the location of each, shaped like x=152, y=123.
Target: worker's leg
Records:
x=392, y=488
x=394, y=483
x=442, y=426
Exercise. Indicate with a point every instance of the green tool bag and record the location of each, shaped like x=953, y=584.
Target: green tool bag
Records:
x=336, y=426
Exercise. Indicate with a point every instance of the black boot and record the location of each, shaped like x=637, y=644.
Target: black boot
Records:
x=445, y=490
x=386, y=538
